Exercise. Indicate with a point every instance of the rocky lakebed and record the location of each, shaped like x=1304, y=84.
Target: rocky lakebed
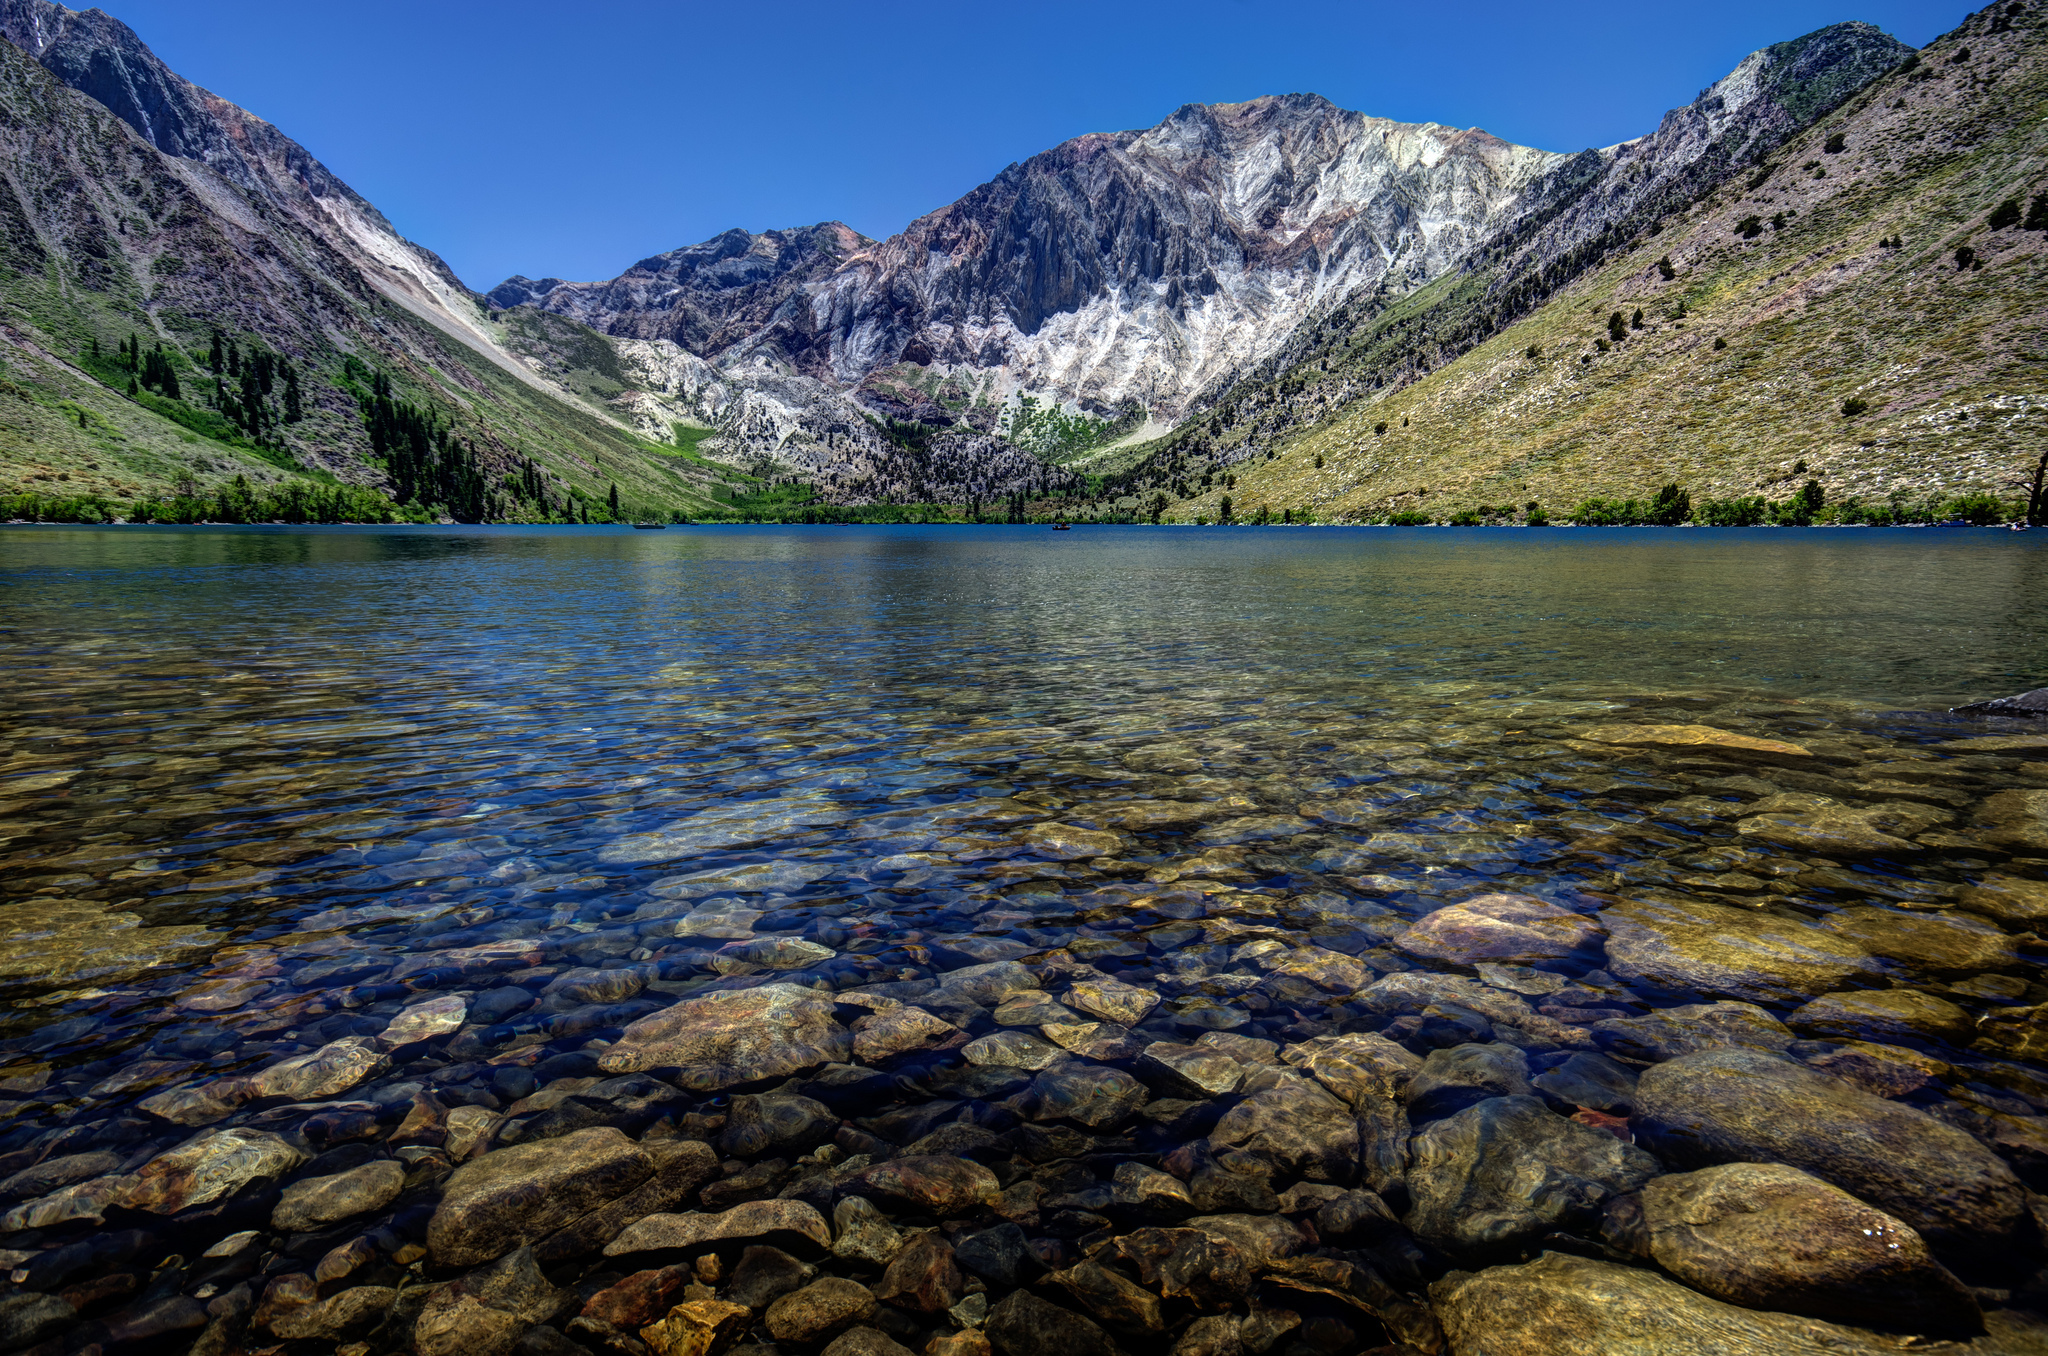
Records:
x=1417, y=1019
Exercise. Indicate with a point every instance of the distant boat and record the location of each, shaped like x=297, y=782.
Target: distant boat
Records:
x=649, y=527
x=1061, y=527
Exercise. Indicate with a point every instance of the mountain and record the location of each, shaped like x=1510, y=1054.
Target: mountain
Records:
x=1116, y=268
x=1228, y=295
x=133, y=203
x=1142, y=276
x=1805, y=314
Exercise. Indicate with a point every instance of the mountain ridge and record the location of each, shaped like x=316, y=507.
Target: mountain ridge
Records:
x=1230, y=278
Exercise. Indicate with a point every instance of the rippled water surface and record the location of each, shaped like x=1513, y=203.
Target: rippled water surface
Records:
x=263, y=790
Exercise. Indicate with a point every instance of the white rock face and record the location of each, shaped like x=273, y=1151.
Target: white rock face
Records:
x=1142, y=272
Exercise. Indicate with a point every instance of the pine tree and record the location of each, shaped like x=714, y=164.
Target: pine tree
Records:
x=216, y=359
x=2037, y=214
x=293, y=410
x=1617, y=328
x=615, y=503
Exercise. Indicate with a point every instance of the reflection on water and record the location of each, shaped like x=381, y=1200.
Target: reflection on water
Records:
x=267, y=792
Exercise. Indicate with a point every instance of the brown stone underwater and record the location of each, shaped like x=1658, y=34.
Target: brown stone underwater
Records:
x=874, y=942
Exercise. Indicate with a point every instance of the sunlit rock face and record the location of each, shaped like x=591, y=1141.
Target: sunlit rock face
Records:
x=1117, y=267
x=1148, y=270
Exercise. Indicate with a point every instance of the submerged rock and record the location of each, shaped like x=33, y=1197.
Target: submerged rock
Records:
x=316, y=1201
x=1360, y=1068
x=1502, y=1173
x=1670, y=1032
x=1698, y=738
x=1741, y=953
x=733, y=1036
x=1560, y=1305
x=519, y=1195
x=1725, y=1106
x=746, y=1221
x=1883, y=1014
x=1773, y=1237
x=1501, y=927
x=1946, y=943
x=209, y=1168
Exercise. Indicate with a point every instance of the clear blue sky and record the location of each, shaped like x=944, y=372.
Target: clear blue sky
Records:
x=573, y=139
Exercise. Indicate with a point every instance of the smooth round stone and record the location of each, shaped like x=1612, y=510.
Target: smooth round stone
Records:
x=1361, y=1068
x=1253, y=828
x=1773, y=1237
x=1191, y=1071
x=309, y=1204
x=1499, y=927
x=1740, y=953
x=1724, y=1106
x=1883, y=1013
x=1670, y=1032
x=423, y=1021
x=1945, y=943
x=782, y=877
x=1561, y=1305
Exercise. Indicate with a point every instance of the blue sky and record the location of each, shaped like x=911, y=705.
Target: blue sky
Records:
x=573, y=139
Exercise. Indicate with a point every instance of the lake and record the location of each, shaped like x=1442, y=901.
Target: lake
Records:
x=1286, y=875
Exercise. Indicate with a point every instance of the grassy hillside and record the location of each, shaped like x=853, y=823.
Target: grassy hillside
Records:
x=104, y=239
x=1816, y=322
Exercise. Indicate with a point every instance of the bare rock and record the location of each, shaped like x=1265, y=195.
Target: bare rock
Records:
x=1360, y=1069
x=765, y=1275
x=208, y=1168
x=879, y=1035
x=1112, y=1000
x=1881, y=1014
x=1297, y=1127
x=1452, y=1079
x=1739, y=953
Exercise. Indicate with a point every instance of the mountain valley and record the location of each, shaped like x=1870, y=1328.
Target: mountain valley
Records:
x=1132, y=325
